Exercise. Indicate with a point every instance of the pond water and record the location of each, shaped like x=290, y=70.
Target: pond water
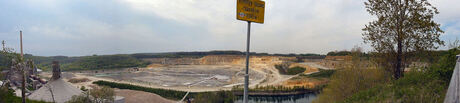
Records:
x=300, y=98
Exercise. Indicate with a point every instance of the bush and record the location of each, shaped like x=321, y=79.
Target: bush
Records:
x=102, y=94
x=350, y=80
x=322, y=74
x=213, y=97
x=283, y=68
x=295, y=70
x=7, y=96
x=83, y=98
x=78, y=80
x=414, y=87
x=445, y=65
x=170, y=94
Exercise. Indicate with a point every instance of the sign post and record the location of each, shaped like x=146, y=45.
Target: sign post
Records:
x=250, y=11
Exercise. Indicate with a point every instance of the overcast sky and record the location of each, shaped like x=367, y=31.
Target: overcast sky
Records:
x=86, y=27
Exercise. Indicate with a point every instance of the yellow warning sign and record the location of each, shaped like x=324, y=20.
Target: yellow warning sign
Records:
x=250, y=10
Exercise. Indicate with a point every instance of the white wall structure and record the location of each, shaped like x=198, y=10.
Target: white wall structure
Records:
x=453, y=93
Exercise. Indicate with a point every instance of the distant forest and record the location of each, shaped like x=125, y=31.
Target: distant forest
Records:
x=135, y=60
x=132, y=60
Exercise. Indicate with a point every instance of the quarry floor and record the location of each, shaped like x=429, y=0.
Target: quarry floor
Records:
x=194, y=78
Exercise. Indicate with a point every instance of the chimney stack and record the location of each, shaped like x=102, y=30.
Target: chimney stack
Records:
x=56, y=71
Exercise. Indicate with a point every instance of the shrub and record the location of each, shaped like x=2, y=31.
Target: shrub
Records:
x=295, y=70
x=445, y=65
x=283, y=68
x=102, y=94
x=322, y=74
x=78, y=80
x=7, y=96
x=357, y=76
x=170, y=94
x=214, y=97
x=414, y=87
x=219, y=96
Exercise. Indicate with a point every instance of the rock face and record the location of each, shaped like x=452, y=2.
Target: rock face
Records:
x=222, y=59
x=219, y=60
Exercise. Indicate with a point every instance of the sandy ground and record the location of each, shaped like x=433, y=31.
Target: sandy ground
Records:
x=132, y=96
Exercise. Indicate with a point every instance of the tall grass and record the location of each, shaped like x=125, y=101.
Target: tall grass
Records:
x=356, y=76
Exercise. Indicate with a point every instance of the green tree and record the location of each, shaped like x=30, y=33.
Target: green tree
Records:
x=83, y=98
x=102, y=94
x=402, y=26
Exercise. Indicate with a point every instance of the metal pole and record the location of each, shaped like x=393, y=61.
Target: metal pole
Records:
x=246, y=76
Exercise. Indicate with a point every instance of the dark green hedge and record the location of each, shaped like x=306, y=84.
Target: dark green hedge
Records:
x=170, y=94
x=199, y=97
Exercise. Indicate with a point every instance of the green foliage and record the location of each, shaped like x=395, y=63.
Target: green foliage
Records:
x=321, y=74
x=338, y=53
x=6, y=57
x=402, y=27
x=295, y=70
x=350, y=80
x=102, y=94
x=7, y=96
x=418, y=85
x=214, y=97
x=83, y=88
x=280, y=88
x=83, y=98
x=45, y=63
x=209, y=97
x=283, y=68
x=414, y=87
x=170, y=94
x=445, y=66
x=104, y=62
x=89, y=62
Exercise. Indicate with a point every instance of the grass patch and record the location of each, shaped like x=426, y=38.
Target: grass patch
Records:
x=414, y=87
x=321, y=74
x=284, y=69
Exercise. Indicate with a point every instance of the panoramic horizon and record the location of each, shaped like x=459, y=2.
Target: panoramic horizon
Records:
x=230, y=51
x=79, y=28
